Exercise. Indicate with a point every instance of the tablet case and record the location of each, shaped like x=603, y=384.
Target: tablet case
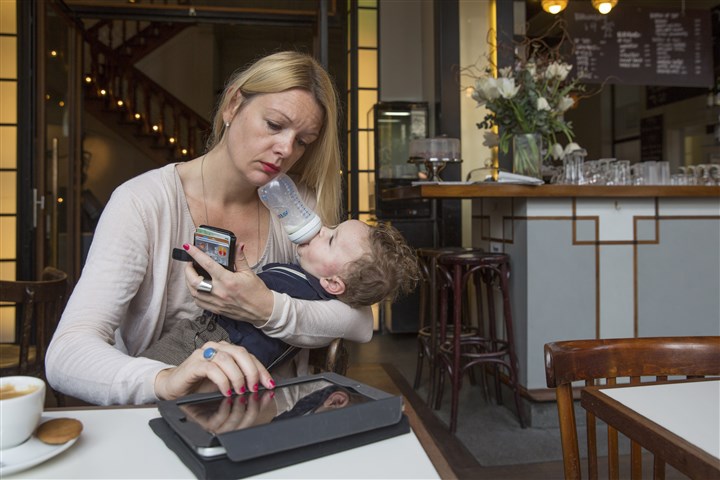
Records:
x=294, y=432
x=223, y=467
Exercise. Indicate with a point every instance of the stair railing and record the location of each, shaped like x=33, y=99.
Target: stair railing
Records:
x=112, y=79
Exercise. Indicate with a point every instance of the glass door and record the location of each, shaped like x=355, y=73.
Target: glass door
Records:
x=58, y=169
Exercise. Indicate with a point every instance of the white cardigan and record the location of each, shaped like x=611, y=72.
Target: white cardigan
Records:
x=131, y=292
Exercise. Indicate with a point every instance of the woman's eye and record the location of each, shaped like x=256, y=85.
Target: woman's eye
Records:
x=302, y=143
x=273, y=125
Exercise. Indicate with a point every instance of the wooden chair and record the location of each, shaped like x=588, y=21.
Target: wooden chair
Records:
x=590, y=360
x=39, y=305
x=333, y=358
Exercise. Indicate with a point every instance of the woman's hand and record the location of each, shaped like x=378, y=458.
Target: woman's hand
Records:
x=230, y=368
x=239, y=295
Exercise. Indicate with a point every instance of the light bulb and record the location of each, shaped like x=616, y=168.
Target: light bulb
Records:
x=554, y=6
x=604, y=6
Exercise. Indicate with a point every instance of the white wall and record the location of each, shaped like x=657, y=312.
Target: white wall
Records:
x=402, y=46
x=187, y=68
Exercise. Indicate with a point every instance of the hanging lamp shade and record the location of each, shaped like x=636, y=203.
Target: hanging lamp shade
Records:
x=554, y=6
x=604, y=6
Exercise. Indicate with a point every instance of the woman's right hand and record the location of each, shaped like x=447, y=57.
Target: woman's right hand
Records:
x=231, y=368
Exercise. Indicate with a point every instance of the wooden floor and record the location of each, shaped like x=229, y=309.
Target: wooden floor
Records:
x=450, y=457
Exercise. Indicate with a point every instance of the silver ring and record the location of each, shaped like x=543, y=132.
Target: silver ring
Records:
x=209, y=353
x=205, y=286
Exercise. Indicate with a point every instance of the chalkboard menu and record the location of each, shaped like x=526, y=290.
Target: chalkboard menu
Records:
x=641, y=46
x=651, y=139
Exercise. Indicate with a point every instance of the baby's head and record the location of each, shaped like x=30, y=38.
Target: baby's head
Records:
x=359, y=263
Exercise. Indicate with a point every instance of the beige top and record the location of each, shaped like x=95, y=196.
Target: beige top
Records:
x=131, y=292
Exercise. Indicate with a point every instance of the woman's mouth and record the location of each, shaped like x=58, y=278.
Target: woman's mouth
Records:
x=270, y=168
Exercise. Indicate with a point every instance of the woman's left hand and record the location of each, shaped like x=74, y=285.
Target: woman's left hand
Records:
x=215, y=366
x=239, y=295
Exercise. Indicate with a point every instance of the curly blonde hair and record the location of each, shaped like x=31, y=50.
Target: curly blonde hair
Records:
x=320, y=166
x=388, y=270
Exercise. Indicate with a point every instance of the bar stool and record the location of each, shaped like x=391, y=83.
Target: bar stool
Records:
x=435, y=281
x=460, y=354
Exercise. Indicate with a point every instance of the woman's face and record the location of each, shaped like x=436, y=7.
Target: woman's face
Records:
x=269, y=133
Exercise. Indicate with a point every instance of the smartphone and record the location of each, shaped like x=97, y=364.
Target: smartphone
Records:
x=217, y=243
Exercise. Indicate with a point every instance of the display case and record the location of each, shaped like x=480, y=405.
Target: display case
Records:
x=396, y=125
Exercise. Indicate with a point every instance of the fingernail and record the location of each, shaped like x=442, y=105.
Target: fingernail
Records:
x=186, y=246
x=229, y=392
x=255, y=387
x=272, y=383
x=242, y=389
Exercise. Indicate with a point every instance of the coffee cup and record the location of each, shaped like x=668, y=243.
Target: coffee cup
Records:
x=21, y=405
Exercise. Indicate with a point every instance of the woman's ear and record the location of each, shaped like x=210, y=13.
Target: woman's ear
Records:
x=333, y=285
x=232, y=107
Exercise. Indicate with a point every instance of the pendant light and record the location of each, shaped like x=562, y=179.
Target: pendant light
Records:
x=554, y=6
x=604, y=6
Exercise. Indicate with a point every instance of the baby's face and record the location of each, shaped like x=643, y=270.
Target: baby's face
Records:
x=330, y=250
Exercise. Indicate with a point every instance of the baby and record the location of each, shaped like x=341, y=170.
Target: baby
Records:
x=354, y=262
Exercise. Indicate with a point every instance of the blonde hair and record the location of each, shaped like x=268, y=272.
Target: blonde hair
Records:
x=319, y=167
x=390, y=269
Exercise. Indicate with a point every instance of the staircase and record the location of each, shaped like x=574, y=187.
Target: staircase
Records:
x=142, y=112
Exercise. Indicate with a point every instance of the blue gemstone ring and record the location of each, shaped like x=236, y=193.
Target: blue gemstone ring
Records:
x=209, y=353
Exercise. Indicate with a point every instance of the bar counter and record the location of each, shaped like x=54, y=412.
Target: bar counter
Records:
x=595, y=261
x=497, y=190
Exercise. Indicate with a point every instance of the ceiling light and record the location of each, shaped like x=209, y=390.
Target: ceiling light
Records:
x=604, y=6
x=554, y=6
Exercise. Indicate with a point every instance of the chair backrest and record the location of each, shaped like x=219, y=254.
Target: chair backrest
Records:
x=333, y=358
x=39, y=305
x=610, y=359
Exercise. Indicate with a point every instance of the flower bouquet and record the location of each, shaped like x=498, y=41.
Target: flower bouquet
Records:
x=527, y=102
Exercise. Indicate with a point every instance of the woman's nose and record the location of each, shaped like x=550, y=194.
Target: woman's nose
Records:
x=284, y=144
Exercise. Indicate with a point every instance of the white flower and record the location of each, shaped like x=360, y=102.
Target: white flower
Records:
x=571, y=147
x=507, y=88
x=558, y=70
x=490, y=139
x=486, y=90
x=565, y=103
x=532, y=69
x=557, y=151
x=505, y=72
x=542, y=104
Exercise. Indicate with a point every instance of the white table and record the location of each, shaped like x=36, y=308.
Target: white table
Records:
x=118, y=443
x=680, y=421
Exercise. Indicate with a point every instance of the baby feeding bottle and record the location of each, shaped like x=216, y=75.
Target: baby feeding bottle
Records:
x=281, y=196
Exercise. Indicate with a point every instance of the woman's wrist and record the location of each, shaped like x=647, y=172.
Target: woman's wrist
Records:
x=160, y=382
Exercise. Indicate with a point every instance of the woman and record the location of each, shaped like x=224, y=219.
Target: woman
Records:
x=279, y=115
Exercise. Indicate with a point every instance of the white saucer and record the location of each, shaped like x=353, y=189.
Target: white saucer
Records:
x=29, y=454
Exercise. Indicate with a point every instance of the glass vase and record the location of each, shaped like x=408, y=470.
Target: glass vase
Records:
x=527, y=154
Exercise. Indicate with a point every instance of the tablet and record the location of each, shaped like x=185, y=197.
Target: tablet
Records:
x=298, y=412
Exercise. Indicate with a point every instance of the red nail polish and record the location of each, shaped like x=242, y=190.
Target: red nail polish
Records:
x=186, y=246
x=229, y=392
x=272, y=383
x=242, y=389
x=255, y=387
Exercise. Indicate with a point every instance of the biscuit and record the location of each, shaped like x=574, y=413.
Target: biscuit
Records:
x=59, y=430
